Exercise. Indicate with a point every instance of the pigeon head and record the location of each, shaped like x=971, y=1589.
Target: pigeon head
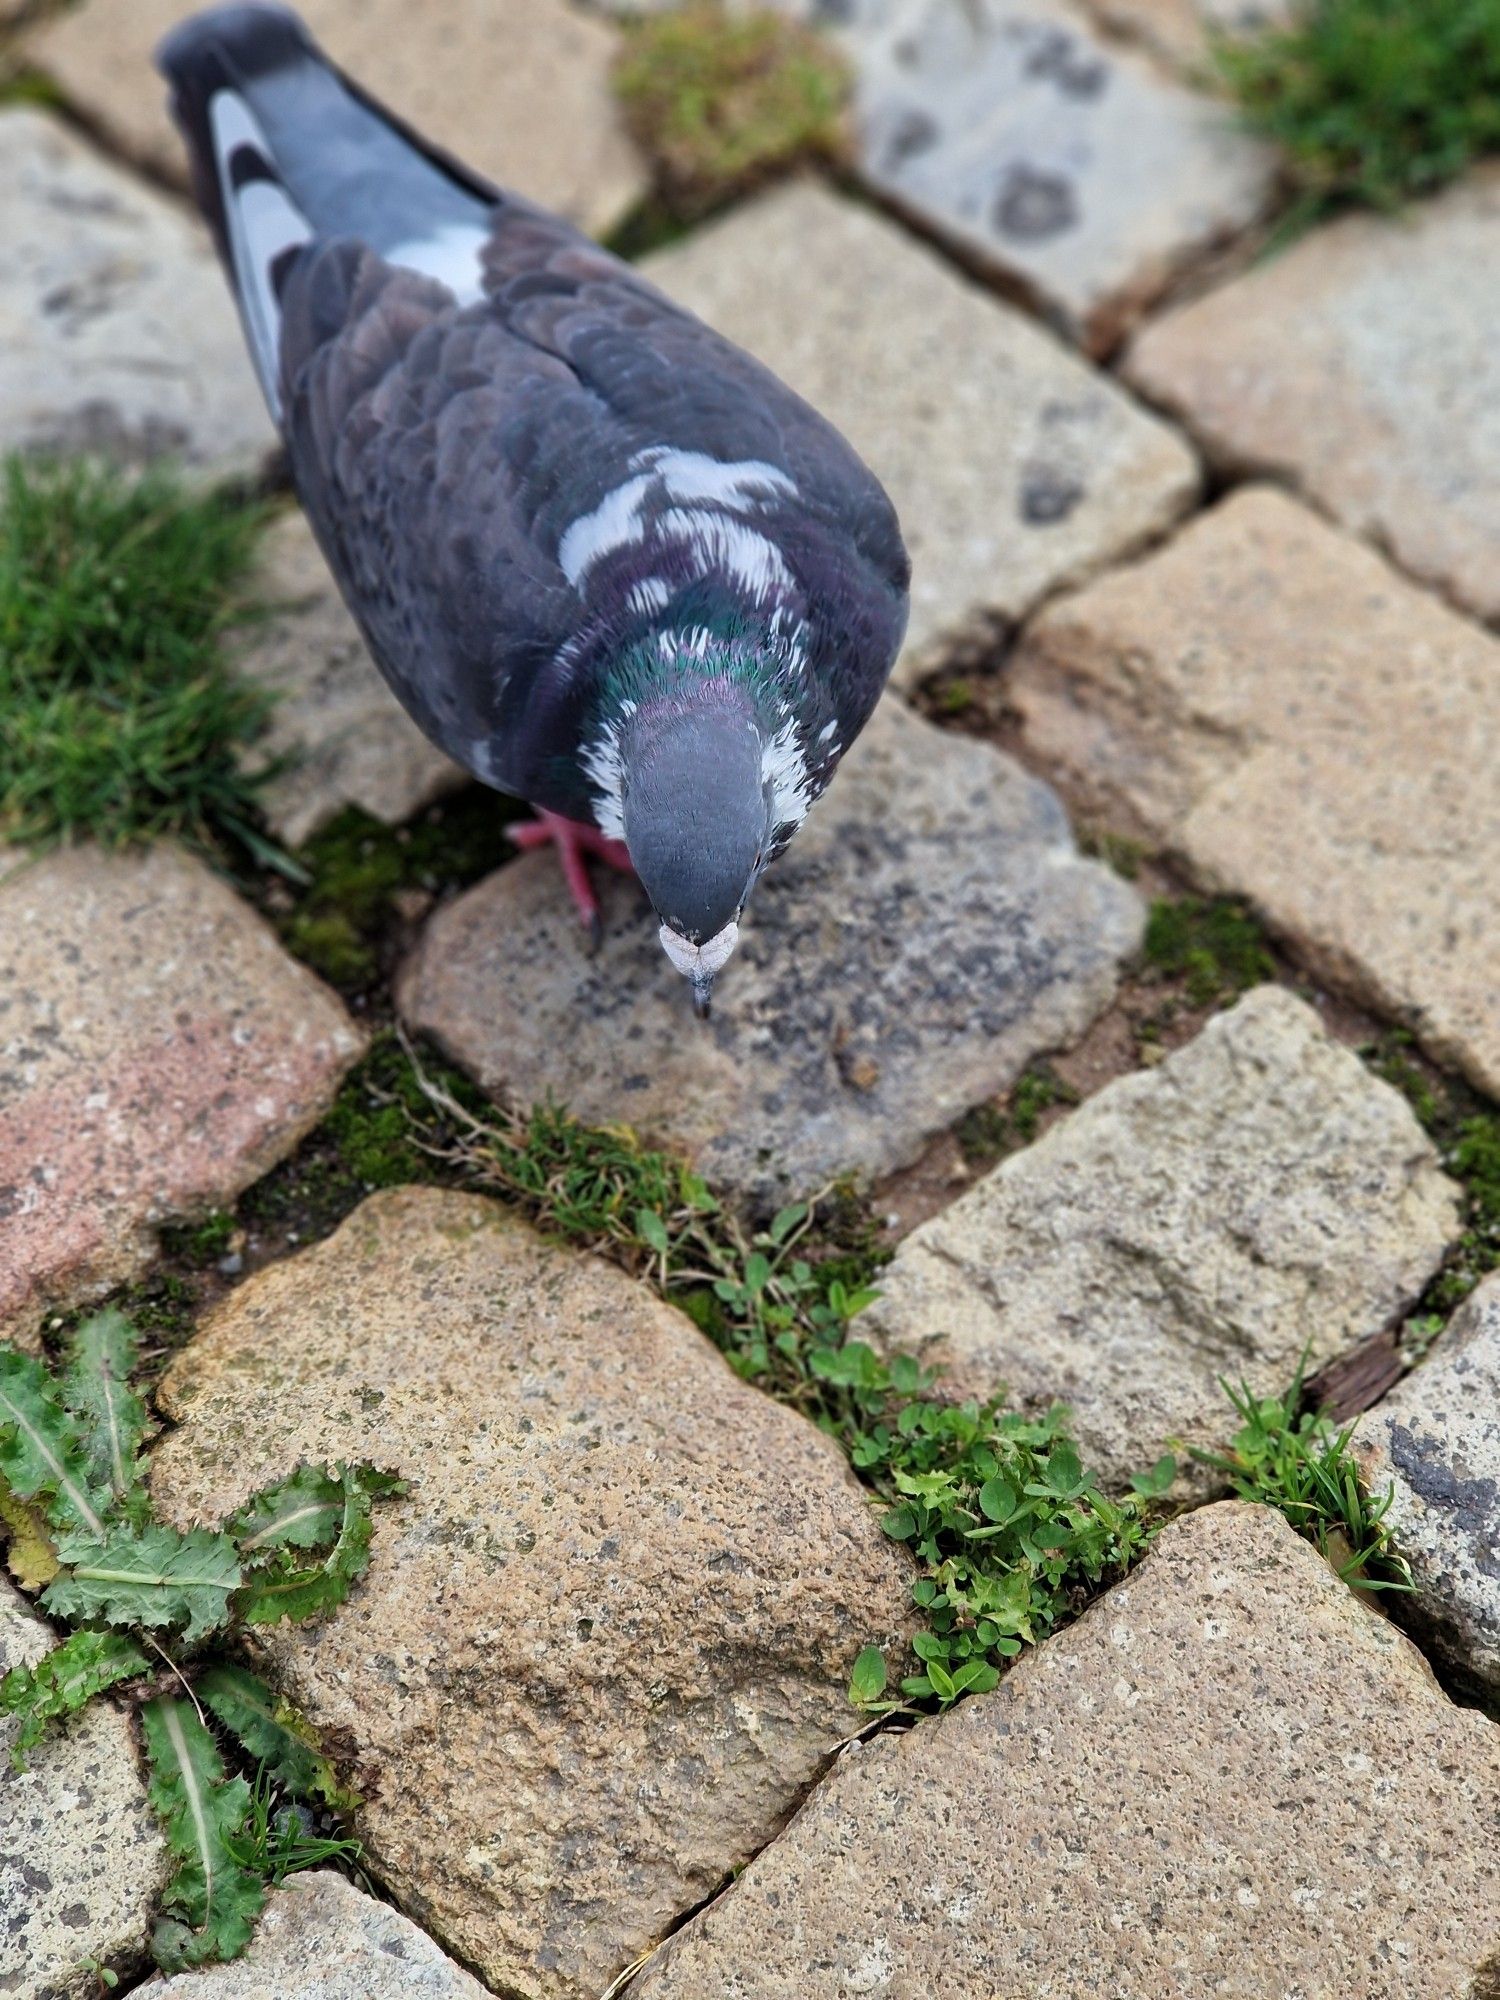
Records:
x=697, y=817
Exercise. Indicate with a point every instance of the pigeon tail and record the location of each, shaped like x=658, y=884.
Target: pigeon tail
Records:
x=286, y=153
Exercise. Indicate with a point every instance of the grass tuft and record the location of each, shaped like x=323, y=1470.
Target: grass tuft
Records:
x=720, y=102
x=121, y=720
x=1372, y=101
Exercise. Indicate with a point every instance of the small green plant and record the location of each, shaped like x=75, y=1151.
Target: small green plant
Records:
x=1371, y=101
x=157, y=1610
x=121, y=719
x=1213, y=943
x=1295, y=1460
x=987, y=1133
x=1010, y=1534
x=722, y=101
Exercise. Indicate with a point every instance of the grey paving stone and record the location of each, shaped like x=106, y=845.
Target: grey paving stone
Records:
x=117, y=334
x=1057, y=160
x=1435, y=1442
x=930, y=929
x=1257, y=1195
x=1117, y=1817
x=1361, y=364
x=1013, y=466
x=348, y=739
x=320, y=1938
x=81, y=1860
x=518, y=89
x=604, y=1642
x=1272, y=703
x=158, y=1052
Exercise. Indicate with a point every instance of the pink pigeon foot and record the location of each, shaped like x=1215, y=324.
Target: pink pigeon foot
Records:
x=573, y=839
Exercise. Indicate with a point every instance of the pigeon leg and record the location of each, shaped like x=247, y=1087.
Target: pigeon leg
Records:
x=573, y=839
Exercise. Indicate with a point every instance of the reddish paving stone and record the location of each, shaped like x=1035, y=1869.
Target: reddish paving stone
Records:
x=158, y=1052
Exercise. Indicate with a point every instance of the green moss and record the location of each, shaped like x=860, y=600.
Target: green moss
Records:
x=1372, y=101
x=720, y=102
x=202, y=1242
x=32, y=87
x=121, y=718
x=356, y=865
x=990, y=1131
x=1214, y=944
x=1466, y=1131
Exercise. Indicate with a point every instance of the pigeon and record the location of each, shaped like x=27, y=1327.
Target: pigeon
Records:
x=605, y=560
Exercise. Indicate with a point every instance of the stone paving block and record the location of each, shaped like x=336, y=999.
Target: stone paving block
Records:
x=931, y=928
x=517, y=89
x=158, y=1052
x=1182, y=31
x=1013, y=467
x=81, y=1860
x=1271, y=702
x=1231, y=1777
x=1257, y=1194
x=603, y=1644
x=1057, y=160
x=320, y=1938
x=117, y=334
x=349, y=739
x=1362, y=365
x=1436, y=1442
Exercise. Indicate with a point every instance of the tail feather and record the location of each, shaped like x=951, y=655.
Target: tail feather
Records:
x=287, y=153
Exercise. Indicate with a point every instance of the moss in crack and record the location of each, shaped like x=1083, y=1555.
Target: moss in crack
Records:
x=1214, y=943
x=1466, y=1131
x=342, y=923
x=990, y=1131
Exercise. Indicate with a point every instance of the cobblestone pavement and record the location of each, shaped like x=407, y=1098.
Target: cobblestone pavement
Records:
x=594, y=1682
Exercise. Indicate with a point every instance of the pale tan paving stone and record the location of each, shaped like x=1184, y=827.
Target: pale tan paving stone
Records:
x=1270, y=702
x=1361, y=363
x=158, y=1052
x=1012, y=465
x=1231, y=1777
x=1256, y=1196
x=603, y=1644
x=345, y=737
x=117, y=334
x=1434, y=1444
x=320, y=1938
x=81, y=1859
x=516, y=89
x=931, y=928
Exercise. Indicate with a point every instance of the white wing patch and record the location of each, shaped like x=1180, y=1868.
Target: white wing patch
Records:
x=693, y=475
x=264, y=223
x=697, y=500
x=453, y=255
x=614, y=524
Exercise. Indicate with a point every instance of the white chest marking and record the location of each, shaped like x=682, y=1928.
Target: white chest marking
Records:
x=614, y=524
x=699, y=502
x=453, y=255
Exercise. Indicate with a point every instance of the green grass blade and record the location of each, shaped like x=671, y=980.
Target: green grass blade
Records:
x=150, y=1576
x=85, y=1664
x=212, y=1900
x=272, y=1734
x=40, y=1453
x=96, y=1389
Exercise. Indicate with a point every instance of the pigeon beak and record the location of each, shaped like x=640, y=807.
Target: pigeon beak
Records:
x=700, y=964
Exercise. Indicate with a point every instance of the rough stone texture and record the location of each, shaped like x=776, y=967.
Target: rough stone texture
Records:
x=931, y=928
x=158, y=1051
x=1058, y=160
x=1270, y=701
x=1436, y=1442
x=1257, y=1192
x=1182, y=30
x=320, y=1938
x=517, y=89
x=1362, y=364
x=350, y=740
x=1013, y=467
x=81, y=1864
x=1231, y=1777
x=117, y=333
x=604, y=1643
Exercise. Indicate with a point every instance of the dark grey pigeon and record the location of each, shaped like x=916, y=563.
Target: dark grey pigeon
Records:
x=605, y=560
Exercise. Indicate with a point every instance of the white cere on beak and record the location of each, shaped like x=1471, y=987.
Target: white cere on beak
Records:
x=700, y=962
